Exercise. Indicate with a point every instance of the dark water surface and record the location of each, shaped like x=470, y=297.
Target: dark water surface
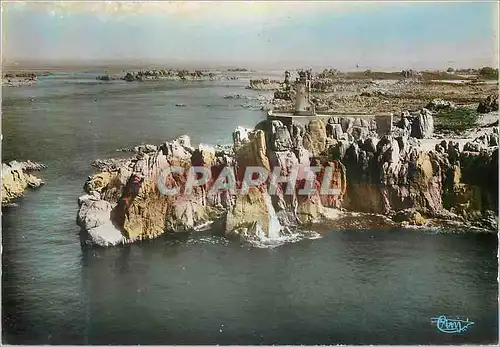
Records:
x=354, y=287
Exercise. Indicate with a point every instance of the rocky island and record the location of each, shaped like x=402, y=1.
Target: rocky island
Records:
x=19, y=79
x=166, y=75
x=394, y=165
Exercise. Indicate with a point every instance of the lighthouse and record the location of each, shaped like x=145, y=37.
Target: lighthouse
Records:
x=303, y=104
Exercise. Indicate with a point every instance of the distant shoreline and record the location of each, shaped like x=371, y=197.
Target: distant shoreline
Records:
x=117, y=66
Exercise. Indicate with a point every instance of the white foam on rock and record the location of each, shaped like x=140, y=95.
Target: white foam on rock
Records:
x=331, y=213
x=274, y=224
x=106, y=235
x=204, y=226
x=284, y=239
x=206, y=148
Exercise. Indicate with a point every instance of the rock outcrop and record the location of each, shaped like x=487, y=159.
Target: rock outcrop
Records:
x=107, y=78
x=439, y=104
x=287, y=95
x=171, y=75
x=129, y=194
x=309, y=173
x=135, y=203
x=315, y=137
x=16, y=178
x=282, y=204
x=422, y=126
x=488, y=105
x=410, y=73
x=264, y=84
x=444, y=183
x=419, y=125
x=350, y=128
x=19, y=79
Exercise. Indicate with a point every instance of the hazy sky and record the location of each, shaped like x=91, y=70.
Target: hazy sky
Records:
x=336, y=34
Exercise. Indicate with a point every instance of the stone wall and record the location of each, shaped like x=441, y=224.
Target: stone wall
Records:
x=357, y=123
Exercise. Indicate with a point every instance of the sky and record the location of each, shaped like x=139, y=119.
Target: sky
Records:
x=387, y=35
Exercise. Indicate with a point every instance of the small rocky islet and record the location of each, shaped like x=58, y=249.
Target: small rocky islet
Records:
x=168, y=75
x=17, y=177
x=415, y=174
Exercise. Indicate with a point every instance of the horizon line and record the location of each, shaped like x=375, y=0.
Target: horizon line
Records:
x=179, y=63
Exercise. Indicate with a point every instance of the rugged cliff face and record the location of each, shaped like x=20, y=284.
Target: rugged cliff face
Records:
x=126, y=202
x=393, y=176
x=16, y=178
x=446, y=182
x=129, y=201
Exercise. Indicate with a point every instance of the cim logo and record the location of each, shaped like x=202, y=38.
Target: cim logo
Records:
x=451, y=326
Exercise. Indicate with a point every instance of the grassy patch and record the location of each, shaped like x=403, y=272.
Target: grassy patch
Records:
x=368, y=74
x=455, y=121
